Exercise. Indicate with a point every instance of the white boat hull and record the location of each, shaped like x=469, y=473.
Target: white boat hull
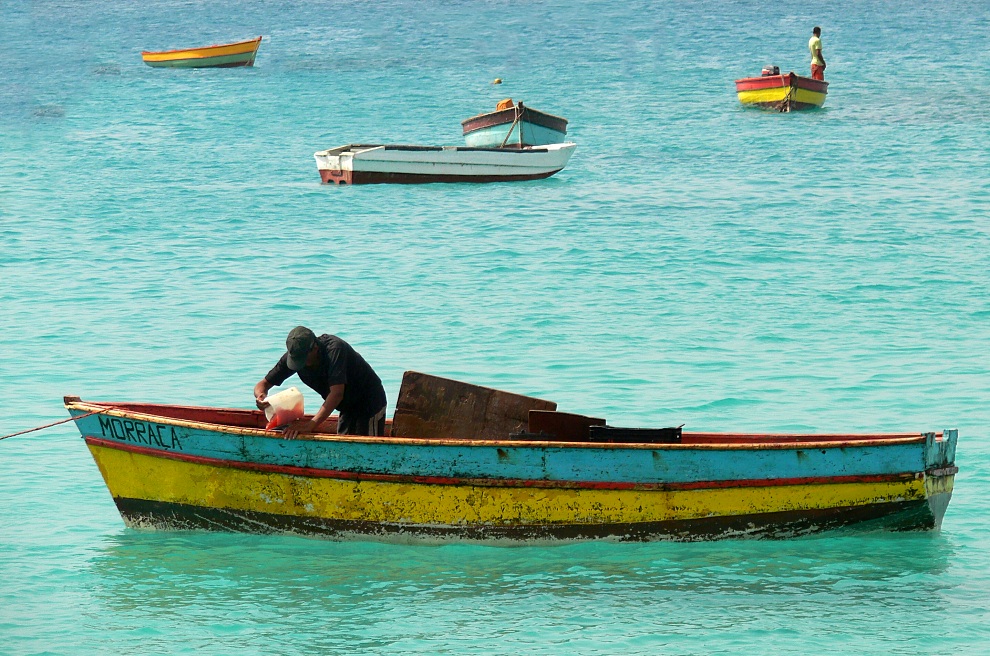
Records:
x=371, y=164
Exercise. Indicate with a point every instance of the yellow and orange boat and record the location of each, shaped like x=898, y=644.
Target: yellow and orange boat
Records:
x=224, y=55
x=784, y=93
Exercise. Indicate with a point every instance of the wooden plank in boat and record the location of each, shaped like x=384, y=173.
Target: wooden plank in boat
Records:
x=617, y=435
x=434, y=407
x=562, y=426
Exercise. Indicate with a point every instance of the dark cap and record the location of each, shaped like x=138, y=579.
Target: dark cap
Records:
x=298, y=345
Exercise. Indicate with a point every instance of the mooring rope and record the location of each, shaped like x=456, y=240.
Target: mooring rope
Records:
x=511, y=128
x=785, y=103
x=54, y=423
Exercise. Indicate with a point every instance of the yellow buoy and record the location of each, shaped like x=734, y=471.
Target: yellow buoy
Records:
x=497, y=80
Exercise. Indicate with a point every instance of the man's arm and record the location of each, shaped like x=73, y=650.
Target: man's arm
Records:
x=260, y=392
x=310, y=425
x=821, y=56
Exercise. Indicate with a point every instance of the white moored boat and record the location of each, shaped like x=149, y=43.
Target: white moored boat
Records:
x=371, y=164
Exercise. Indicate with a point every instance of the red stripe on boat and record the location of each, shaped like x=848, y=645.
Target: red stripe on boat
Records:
x=778, y=81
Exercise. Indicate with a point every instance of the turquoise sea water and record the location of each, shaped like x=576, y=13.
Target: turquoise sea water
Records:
x=696, y=263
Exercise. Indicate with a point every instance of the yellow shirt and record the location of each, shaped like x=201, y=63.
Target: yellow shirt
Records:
x=815, y=46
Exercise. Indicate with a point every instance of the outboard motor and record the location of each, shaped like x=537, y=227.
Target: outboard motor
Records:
x=770, y=70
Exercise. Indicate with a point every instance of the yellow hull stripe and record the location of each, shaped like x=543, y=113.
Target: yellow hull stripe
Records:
x=138, y=476
x=777, y=94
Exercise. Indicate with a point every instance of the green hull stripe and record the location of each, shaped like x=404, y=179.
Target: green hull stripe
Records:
x=205, y=62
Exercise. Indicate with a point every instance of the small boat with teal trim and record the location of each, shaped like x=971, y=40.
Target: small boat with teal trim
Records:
x=513, y=126
x=468, y=463
x=224, y=55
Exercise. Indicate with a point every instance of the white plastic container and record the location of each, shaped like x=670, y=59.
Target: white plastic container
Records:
x=284, y=407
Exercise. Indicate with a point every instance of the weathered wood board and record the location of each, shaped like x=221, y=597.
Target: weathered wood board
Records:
x=431, y=406
x=562, y=426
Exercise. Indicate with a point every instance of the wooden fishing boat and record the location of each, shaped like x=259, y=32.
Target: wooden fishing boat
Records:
x=784, y=93
x=513, y=126
x=376, y=163
x=463, y=462
x=225, y=55
x=470, y=463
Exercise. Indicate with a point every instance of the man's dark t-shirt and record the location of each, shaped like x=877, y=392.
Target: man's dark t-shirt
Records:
x=339, y=364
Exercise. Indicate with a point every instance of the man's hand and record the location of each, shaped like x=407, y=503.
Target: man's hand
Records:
x=298, y=427
x=261, y=393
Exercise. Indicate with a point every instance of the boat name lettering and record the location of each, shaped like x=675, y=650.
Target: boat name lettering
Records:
x=140, y=432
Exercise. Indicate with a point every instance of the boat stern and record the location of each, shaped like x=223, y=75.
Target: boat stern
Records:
x=335, y=165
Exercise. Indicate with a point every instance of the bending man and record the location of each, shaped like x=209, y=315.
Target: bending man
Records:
x=336, y=372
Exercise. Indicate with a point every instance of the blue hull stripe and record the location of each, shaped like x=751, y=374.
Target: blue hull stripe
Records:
x=624, y=465
x=492, y=137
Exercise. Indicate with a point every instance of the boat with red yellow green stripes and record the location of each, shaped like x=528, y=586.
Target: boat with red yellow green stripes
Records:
x=784, y=93
x=224, y=55
x=559, y=477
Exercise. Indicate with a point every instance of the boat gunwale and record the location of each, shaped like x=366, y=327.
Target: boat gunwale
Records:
x=492, y=119
x=863, y=440
x=508, y=109
x=209, y=47
x=359, y=149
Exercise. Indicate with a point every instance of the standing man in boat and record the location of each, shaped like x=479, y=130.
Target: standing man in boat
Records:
x=817, y=60
x=331, y=367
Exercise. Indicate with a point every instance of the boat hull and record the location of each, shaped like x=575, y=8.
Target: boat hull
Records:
x=895, y=516
x=783, y=93
x=514, y=127
x=176, y=473
x=228, y=55
x=376, y=164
